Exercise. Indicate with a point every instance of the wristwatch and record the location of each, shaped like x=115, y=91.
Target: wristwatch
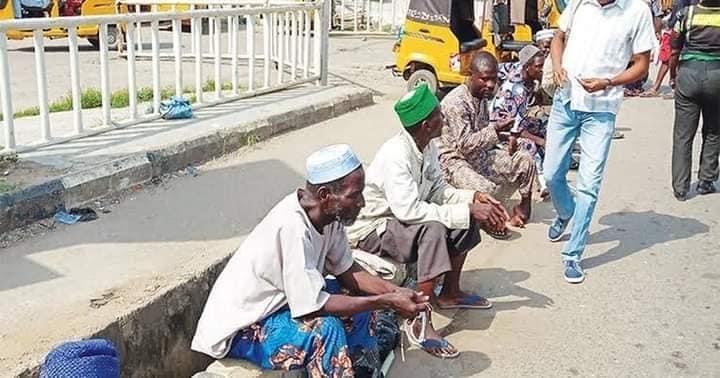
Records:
x=609, y=83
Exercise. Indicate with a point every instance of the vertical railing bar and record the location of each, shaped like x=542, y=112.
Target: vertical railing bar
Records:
x=294, y=45
x=75, y=78
x=197, y=38
x=193, y=46
x=6, y=95
x=355, y=16
x=306, y=44
x=316, y=41
x=177, y=46
x=281, y=48
x=41, y=80
x=211, y=33
x=324, y=39
x=342, y=15
x=155, y=40
x=139, y=31
x=286, y=36
x=218, y=57
x=381, y=17
x=234, y=31
x=392, y=13
x=104, y=75
x=250, y=30
x=267, y=38
x=132, y=85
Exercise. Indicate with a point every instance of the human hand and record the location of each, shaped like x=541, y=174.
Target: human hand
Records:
x=503, y=124
x=490, y=215
x=559, y=76
x=672, y=83
x=594, y=85
x=407, y=303
x=480, y=197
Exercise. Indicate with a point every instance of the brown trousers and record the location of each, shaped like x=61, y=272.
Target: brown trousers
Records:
x=429, y=244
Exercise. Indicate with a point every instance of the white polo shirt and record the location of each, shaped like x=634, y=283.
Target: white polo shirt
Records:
x=281, y=263
x=601, y=42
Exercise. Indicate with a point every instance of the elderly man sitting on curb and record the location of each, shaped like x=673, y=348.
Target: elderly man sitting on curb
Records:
x=469, y=153
x=272, y=305
x=413, y=215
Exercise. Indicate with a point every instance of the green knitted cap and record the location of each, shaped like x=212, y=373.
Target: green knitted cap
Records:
x=416, y=105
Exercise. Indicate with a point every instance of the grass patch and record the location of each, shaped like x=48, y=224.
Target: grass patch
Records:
x=120, y=99
x=29, y=112
x=251, y=139
x=145, y=94
x=92, y=98
x=62, y=104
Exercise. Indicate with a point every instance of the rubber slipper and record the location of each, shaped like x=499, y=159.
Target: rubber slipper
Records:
x=472, y=302
x=429, y=344
x=499, y=235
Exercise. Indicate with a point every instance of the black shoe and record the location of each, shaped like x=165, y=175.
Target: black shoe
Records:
x=706, y=187
x=680, y=196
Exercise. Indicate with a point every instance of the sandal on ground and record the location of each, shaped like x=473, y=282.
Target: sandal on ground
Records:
x=498, y=235
x=470, y=301
x=420, y=341
x=649, y=94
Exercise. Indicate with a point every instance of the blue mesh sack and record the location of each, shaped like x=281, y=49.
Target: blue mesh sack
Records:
x=94, y=358
x=176, y=108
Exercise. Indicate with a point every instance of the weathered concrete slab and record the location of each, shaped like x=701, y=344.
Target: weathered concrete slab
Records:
x=117, y=160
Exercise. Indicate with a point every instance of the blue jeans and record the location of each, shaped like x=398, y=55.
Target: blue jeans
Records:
x=595, y=131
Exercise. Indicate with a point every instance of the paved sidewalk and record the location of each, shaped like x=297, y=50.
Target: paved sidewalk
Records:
x=649, y=306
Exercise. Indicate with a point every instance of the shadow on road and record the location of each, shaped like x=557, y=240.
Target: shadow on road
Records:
x=468, y=364
x=638, y=231
x=216, y=205
x=494, y=283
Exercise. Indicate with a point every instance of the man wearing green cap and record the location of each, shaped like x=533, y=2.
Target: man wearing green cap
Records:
x=469, y=156
x=413, y=215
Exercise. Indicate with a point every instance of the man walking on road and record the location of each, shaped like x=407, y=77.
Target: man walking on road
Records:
x=590, y=53
x=697, y=52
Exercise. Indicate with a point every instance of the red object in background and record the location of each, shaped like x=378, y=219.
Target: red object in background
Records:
x=71, y=8
x=665, y=49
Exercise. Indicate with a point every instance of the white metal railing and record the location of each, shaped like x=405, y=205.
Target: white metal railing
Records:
x=280, y=49
x=368, y=16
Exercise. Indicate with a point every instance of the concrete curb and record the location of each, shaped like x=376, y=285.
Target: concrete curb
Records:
x=44, y=200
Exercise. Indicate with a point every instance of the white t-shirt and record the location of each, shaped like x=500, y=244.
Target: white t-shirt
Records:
x=601, y=42
x=282, y=262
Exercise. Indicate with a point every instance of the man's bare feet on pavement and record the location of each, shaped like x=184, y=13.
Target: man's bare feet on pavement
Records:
x=521, y=213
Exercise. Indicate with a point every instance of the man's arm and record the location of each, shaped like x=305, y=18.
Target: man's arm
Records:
x=358, y=280
x=557, y=49
x=638, y=69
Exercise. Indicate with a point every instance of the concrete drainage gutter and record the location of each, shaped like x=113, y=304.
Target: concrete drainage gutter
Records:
x=153, y=338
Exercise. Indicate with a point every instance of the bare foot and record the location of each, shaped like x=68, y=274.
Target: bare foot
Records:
x=545, y=194
x=521, y=213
